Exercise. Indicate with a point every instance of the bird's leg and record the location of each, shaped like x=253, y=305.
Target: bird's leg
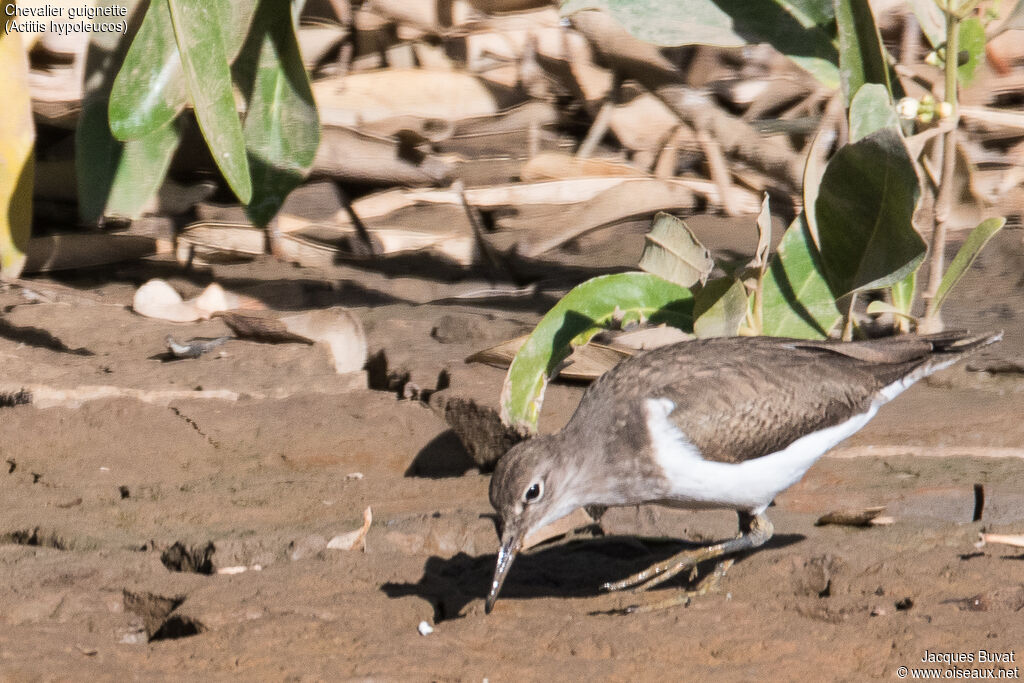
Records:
x=708, y=584
x=755, y=530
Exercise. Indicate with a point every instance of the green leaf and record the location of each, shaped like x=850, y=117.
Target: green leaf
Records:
x=123, y=176
x=794, y=28
x=141, y=171
x=578, y=316
x=797, y=301
x=864, y=210
x=972, y=39
x=903, y=293
x=814, y=169
x=149, y=91
x=282, y=129
x=880, y=307
x=719, y=308
x=871, y=110
x=862, y=56
x=201, y=42
x=674, y=253
x=17, y=159
x=97, y=153
x=972, y=246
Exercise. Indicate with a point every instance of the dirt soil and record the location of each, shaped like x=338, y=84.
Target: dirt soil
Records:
x=119, y=515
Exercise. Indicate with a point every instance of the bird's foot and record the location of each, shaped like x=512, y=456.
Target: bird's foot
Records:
x=656, y=573
x=709, y=584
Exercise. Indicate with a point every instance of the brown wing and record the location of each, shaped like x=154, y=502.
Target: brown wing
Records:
x=741, y=398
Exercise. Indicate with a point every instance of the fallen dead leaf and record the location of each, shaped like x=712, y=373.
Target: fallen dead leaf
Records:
x=352, y=539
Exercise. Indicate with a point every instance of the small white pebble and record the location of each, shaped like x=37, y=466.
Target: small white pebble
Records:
x=104, y=469
x=425, y=629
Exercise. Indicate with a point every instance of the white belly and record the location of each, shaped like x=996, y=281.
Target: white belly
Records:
x=750, y=485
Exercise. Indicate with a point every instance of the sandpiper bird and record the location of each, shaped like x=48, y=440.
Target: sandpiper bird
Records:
x=716, y=423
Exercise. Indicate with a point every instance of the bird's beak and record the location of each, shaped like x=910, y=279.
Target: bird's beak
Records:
x=511, y=542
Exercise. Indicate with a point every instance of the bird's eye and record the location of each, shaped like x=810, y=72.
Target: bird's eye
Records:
x=532, y=493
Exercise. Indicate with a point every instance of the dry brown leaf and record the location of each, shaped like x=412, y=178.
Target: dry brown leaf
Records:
x=336, y=328
x=378, y=95
x=353, y=539
x=561, y=166
x=1016, y=540
x=157, y=299
x=64, y=252
x=586, y=363
x=855, y=517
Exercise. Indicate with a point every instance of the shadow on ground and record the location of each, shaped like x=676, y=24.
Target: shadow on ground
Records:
x=576, y=569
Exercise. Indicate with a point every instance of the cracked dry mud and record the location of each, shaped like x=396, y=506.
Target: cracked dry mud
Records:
x=118, y=516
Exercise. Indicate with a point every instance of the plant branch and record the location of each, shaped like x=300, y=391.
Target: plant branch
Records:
x=943, y=202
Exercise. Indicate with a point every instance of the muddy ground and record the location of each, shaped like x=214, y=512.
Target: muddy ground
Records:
x=95, y=495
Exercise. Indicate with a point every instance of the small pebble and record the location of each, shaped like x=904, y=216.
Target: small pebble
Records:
x=425, y=629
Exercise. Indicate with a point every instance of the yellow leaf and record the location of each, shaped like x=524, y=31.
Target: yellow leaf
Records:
x=17, y=138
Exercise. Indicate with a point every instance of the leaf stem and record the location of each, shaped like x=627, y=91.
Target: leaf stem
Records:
x=944, y=200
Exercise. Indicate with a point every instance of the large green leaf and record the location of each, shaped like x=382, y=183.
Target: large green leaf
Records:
x=864, y=210
x=972, y=246
x=794, y=28
x=137, y=166
x=124, y=176
x=201, y=41
x=17, y=160
x=673, y=252
x=574, y=319
x=862, y=56
x=719, y=308
x=141, y=171
x=796, y=298
x=871, y=110
x=149, y=90
x=282, y=129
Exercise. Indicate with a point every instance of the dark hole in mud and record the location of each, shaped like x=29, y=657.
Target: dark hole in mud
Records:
x=35, y=537
x=124, y=491
x=178, y=627
x=157, y=615
x=195, y=559
x=381, y=377
x=9, y=399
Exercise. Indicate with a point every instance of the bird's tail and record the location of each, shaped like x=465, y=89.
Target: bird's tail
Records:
x=960, y=341
x=947, y=348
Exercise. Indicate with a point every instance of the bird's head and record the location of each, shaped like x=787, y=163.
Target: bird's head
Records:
x=528, y=491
